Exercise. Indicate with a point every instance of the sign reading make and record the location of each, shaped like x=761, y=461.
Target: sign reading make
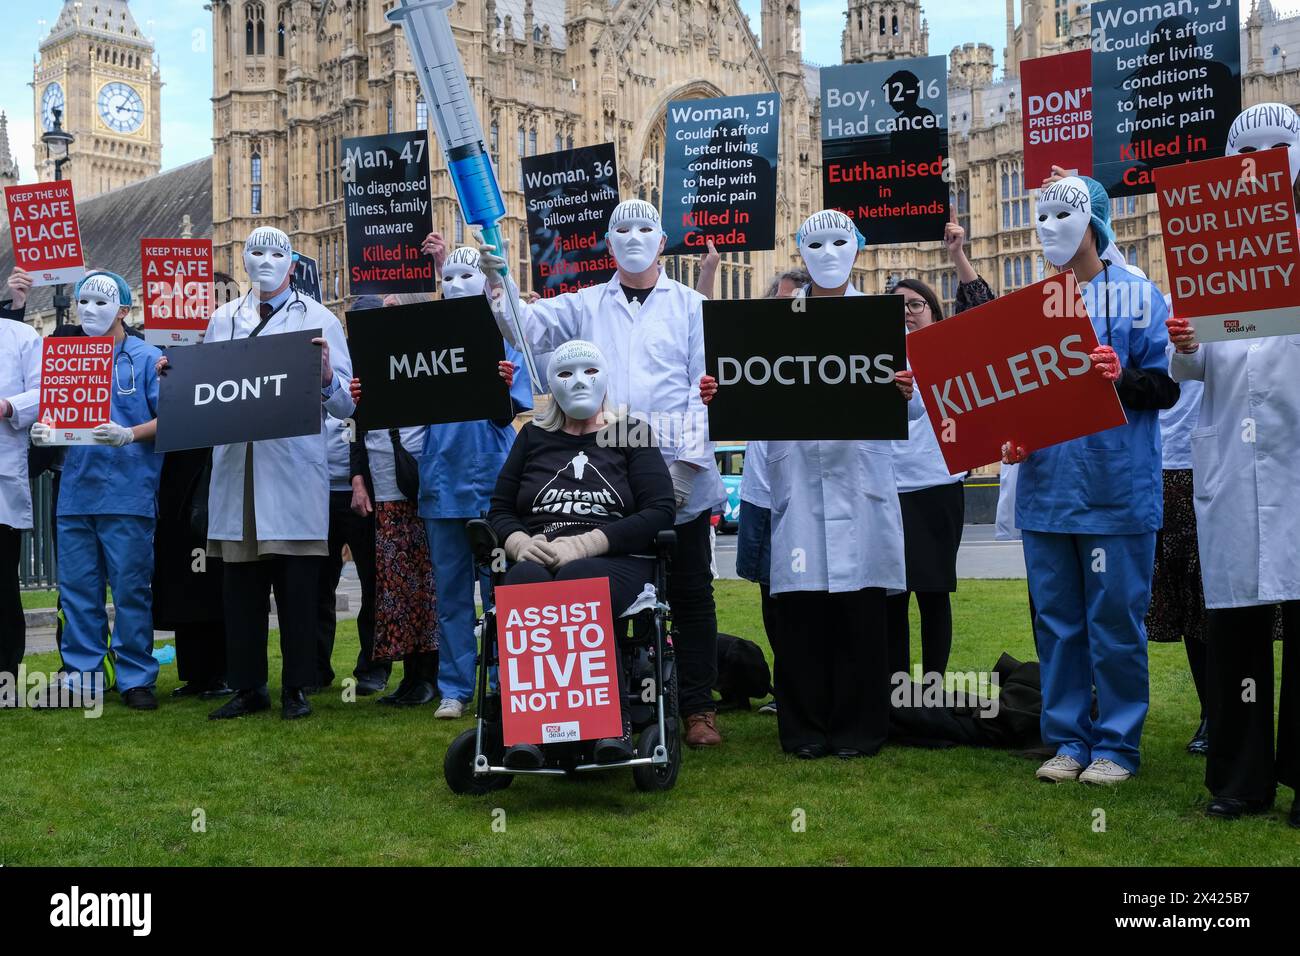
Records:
x=1014, y=369
x=252, y=389
x=76, y=377
x=1229, y=232
x=178, y=295
x=885, y=147
x=386, y=202
x=720, y=174
x=1166, y=81
x=806, y=368
x=555, y=645
x=1057, y=118
x=428, y=364
x=43, y=223
x=569, y=196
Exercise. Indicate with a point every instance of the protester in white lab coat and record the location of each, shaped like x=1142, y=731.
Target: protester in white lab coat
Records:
x=836, y=548
x=268, y=505
x=1246, y=475
x=650, y=329
x=20, y=394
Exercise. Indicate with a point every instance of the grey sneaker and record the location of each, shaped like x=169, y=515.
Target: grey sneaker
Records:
x=1059, y=769
x=449, y=709
x=769, y=708
x=1104, y=772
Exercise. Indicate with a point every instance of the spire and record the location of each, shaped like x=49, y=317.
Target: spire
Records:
x=110, y=17
x=8, y=166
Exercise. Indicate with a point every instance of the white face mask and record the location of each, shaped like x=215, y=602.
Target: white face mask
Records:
x=828, y=242
x=461, y=275
x=1064, y=213
x=268, y=258
x=97, y=305
x=634, y=235
x=1265, y=126
x=577, y=379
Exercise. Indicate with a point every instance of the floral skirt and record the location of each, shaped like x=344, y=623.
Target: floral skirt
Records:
x=1177, y=600
x=406, y=610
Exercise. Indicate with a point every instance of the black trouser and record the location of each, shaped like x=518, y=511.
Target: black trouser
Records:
x=246, y=589
x=13, y=627
x=201, y=652
x=358, y=533
x=936, y=631
x=768, y=605
x=1196, y=654
x=695, y=619
x=832, y=669
x=1241, y=762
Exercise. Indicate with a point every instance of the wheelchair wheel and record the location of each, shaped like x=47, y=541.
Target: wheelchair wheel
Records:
x=458, y=768
x=653, y=777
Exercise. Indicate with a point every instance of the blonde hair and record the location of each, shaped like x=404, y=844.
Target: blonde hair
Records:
x=553, y=418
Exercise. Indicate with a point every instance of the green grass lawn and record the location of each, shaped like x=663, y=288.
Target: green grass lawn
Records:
x=362, y=784
x=31, y=600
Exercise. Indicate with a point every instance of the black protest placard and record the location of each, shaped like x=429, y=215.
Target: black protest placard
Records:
x=569, y=196
x=720, y=174
x=806, y=368
x=885, y=147
x=1166, y=86
x=428, y=364
x=386, y=202
x=306, y=276
x=222, y=393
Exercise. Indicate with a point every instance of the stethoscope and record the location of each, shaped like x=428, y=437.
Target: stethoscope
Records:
x=117, y=358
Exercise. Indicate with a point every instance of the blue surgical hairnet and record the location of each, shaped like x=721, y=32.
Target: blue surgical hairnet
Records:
x=1100, y=201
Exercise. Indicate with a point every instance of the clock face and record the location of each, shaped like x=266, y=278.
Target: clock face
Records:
x=51, y=100
x=120, y=107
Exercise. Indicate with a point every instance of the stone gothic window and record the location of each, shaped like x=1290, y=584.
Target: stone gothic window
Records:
x=494, y=142
x=882, y=24
x=255, y=177
x=458, y=225
x=421, y=113
x=532, y=142
x=524, y=275
x=389, y=110
x=281, y=30
x=895, y=26
x=254, y=29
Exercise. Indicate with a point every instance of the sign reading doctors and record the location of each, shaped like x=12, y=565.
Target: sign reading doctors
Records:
x=720, y=174
x=386, y=202
x=569, y=196
x=1014, y=369
x=1229, y=233
x=239, y=391
x=885, y=147
x=428, y=364
x=1166, y=80
x=806, y=368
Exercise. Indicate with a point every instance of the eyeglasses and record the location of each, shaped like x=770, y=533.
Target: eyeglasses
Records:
x=917, y=306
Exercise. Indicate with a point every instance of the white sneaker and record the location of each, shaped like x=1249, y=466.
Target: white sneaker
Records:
x=449, y=709
x=1104, y=771
x=1059, y=769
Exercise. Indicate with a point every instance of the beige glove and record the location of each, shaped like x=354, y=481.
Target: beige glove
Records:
x=573, y=547
x=521, y=547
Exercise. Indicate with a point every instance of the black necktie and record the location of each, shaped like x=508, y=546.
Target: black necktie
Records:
x=265, y=310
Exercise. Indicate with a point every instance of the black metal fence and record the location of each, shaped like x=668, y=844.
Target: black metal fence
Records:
x=36, y=568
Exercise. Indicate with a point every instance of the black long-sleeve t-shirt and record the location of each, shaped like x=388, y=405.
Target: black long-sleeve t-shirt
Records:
x=558, y=484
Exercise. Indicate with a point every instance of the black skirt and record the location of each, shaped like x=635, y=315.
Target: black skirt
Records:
x=932, y=523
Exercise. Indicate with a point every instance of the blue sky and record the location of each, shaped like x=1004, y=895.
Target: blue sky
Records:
x=181, y=28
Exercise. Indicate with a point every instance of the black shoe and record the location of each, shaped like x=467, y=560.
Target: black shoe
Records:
x=1200, y=742
x=192, y=689
x=1230, y=808
x=1293, y=818
x=244, y=702
x=848, y=753
x=216, y=690
x=395, y=696
x=811, y=751
x=524, y=757
x=293, y=703
x=140, y=698
x=370, y=684
x=315, y=688
x=418, y=693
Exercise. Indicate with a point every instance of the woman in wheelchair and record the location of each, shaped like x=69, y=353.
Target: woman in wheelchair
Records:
x=581, y=497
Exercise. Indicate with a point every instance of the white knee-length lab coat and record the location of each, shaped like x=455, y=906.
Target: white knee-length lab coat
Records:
x=20, y=383
x=291, y=484
x=1246, y=468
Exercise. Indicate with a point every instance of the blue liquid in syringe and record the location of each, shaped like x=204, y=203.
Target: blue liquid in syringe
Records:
x=480, y=196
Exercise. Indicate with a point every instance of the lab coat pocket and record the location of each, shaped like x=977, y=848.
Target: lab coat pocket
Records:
x=1207, y=466
x=1107, y=477
x=878, y=472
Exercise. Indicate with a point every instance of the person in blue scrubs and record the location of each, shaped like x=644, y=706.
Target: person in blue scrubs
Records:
x=458, y=471
x=108, y=507
x=1089, y=509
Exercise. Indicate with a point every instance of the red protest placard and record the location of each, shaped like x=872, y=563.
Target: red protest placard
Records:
x=1229, y=231
x=1014, y=369
x=555, y=643
x=43, y=222
x=178, y=297
x=76, y=378
x=1056, y=92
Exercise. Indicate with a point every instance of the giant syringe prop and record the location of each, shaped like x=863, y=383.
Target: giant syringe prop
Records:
x=446, y=91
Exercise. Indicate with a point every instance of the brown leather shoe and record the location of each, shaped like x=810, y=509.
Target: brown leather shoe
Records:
x=702, y=730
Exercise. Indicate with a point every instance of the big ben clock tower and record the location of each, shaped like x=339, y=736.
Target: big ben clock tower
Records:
x=97, y=67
